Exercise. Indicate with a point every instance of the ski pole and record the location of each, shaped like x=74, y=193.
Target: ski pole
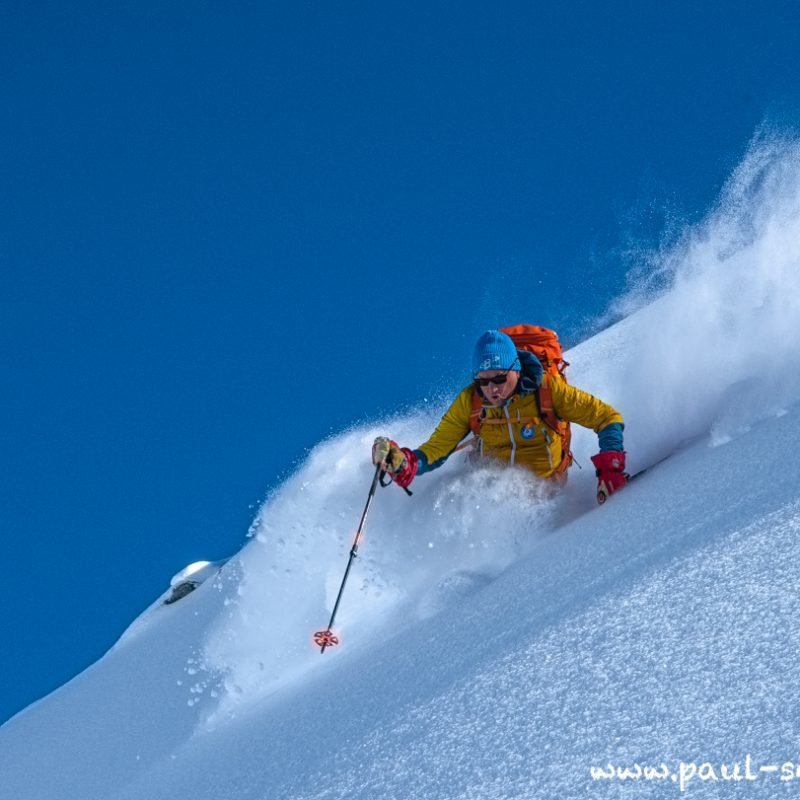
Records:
x=327, y=638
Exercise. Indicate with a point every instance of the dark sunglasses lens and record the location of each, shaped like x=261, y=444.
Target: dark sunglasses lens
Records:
x=498, y=379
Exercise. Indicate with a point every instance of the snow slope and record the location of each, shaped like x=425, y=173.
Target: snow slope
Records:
x=498, y=643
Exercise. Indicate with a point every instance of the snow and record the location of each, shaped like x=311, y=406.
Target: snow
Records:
x=497, y=642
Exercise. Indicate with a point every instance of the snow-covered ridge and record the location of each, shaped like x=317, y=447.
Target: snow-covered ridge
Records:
x=495, y=645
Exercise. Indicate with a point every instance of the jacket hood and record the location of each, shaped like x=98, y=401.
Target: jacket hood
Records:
x=532, y=372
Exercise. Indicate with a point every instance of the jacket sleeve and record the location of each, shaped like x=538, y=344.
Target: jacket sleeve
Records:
x=580, y=407
x=454, y=426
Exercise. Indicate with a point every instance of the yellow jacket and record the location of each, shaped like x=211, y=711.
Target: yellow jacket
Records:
x=524, y=439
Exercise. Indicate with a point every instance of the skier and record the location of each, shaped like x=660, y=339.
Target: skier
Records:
x=505, y=409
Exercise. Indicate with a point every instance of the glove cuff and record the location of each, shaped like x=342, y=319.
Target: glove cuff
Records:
x=609, y=461
x=406, y=473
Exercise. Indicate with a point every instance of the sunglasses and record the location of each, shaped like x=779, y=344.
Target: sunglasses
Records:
x=497, y=380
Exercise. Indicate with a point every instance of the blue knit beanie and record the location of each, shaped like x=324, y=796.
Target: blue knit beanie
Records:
x=494, y=350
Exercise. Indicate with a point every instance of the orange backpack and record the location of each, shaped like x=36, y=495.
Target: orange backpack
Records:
x=544, y=344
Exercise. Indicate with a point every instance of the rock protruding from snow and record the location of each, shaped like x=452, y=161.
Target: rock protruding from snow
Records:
x=190, y=577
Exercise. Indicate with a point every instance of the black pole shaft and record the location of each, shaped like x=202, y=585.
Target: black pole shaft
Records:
x=354, y=548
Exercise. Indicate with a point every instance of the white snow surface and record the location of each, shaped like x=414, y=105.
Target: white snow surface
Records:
x=497, y=642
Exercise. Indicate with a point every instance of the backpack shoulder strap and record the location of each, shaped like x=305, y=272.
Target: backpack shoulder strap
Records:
x=476, y=414
x=544, y=397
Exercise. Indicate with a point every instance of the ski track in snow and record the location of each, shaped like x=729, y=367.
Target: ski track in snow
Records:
x=497, y=644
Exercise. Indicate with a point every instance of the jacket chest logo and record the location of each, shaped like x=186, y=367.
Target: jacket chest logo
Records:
x=528, y=431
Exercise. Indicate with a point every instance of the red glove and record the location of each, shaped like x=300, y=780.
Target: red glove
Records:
x=400, y=462
x=406, y=473
x=611, y=475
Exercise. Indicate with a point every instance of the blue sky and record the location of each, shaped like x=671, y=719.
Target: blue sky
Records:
x=228, y=230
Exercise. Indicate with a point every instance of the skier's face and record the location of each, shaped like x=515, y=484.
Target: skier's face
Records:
x=497, y=393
